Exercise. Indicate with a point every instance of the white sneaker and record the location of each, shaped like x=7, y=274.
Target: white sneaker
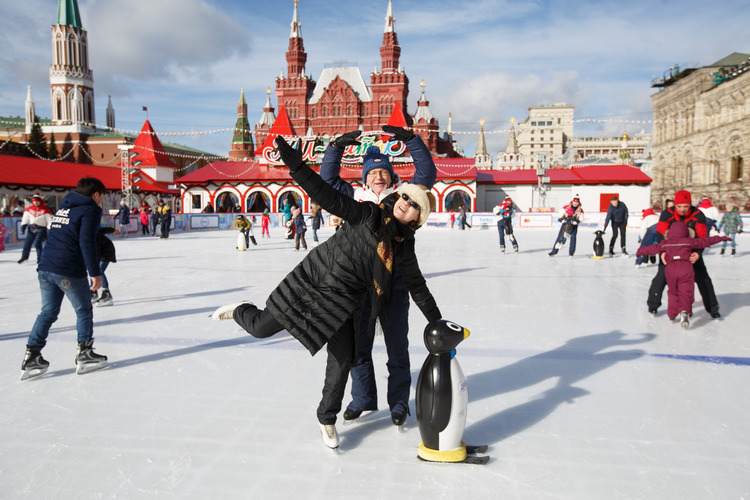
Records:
x=227, y=311
x=330, y=436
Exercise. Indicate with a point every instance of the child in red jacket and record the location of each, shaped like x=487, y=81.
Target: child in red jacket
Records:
x=677, y=247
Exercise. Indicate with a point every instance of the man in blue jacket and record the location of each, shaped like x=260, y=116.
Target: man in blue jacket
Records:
x=70, y=253
x=379, y=180
x=617, y=214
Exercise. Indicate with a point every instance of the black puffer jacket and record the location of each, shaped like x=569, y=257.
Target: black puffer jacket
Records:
x=329, y=285
x=104, y=245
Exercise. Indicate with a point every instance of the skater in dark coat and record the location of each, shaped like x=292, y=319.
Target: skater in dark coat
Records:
x=683, y=211
x=106, y=250
x=617, y=214
x=677, y=247
x=379, y=181
x=338, y=273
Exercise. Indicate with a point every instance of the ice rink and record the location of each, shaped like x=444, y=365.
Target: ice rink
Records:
x=579, y=392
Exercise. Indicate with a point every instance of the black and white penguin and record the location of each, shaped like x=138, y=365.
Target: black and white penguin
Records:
x=441, y=396
x=598, y=245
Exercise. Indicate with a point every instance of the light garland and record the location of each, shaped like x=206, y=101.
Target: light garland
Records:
x=233, y=130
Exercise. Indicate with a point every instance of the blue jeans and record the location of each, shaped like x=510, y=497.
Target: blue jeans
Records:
x=396, y=337
x=103, y=264
x=35, y=237
x=734, y=243
x=562, y=236
x=54, y=287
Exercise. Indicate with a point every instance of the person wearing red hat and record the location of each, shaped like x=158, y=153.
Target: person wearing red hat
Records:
x=504, y=215
x=35, y=220
x=647, y=234
x=695, y=220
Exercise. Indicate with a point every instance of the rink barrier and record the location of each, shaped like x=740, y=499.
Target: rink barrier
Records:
x=223, y=221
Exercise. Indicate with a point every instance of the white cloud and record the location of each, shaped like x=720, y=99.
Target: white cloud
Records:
x=161, y=40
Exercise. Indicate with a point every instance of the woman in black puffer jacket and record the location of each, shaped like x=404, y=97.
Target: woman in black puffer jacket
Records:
x=336, y=275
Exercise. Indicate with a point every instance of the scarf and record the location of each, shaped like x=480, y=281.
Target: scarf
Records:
x=390, y=233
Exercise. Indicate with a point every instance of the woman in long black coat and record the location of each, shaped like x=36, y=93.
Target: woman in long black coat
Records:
x=337, y=274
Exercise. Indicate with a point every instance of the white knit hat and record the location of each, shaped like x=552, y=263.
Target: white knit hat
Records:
x=421, y=197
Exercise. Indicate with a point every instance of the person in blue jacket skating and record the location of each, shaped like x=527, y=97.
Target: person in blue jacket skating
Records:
x=69, y=254
x=379, y=181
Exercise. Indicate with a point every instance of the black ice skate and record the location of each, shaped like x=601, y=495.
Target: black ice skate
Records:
x=105, y=299
x=87, y=360
x=94, y=296
x=34, y=365
x=502, y=249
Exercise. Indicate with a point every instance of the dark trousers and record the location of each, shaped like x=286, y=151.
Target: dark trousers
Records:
x=702, y=279
x=262, y=324
x=617, y=226
x=34, y=237
x=165, y=228
x=396, y=337
x=505, y=226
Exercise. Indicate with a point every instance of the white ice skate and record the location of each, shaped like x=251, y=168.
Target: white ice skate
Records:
x=330, y=436
x=227, y=311
x=684, y=320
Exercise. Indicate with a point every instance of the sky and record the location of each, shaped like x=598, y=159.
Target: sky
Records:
x=186, y=60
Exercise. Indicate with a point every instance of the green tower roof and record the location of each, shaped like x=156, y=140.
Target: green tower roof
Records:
x=67, y=13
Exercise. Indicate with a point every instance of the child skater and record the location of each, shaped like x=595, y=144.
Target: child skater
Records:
x=3, y=231
x=376, y=239
x=265, y=220
x=731, y=224
x=245, y=226
x=677, y=247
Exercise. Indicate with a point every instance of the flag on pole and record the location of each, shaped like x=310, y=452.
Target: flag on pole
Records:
x=145, y=108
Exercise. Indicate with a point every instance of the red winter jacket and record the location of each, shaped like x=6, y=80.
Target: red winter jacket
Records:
x=694, y=219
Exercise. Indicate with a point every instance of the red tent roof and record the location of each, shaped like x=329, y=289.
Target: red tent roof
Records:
x=397, y=118
x=591, y=174
x=281, y=126
x=150, y=151
x=22, y=171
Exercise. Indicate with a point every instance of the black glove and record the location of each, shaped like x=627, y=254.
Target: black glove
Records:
x=23, y=228
x=399, y=133
x=291, y=157
x=347, y=139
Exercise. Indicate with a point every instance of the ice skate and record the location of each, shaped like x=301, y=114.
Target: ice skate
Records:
x=624, y=252
x=684, y=320
x=34, y=365
x=87, y=360
x=721, y=252
x=351, y=416
x=398, y=419
x=94, y=296
x=105, y=299
x=515, y=249
x=734, y=252
x=330, y=436
x=227, y=311
x=502, y=249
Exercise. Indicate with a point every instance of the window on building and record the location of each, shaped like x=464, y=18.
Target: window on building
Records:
x=197, y=202
x=736, y=168
x=533, y=124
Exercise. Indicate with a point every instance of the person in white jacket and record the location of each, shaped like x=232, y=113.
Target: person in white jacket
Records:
x=35, y=221
x=647, y=234
x=711, y=213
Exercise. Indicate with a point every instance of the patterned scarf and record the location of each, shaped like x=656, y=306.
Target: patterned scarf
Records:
x=391, y=231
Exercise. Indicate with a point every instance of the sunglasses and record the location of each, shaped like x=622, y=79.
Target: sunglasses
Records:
x=413, y=204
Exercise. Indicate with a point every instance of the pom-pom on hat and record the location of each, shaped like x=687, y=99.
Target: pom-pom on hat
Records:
x=420, y=196
x=682, y=198
x=647, y=212
x=375, y=159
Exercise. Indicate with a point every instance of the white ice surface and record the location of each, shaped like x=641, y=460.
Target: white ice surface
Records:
x=564, y=385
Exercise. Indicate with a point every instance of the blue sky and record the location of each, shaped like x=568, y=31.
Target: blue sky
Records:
x=186, y=60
